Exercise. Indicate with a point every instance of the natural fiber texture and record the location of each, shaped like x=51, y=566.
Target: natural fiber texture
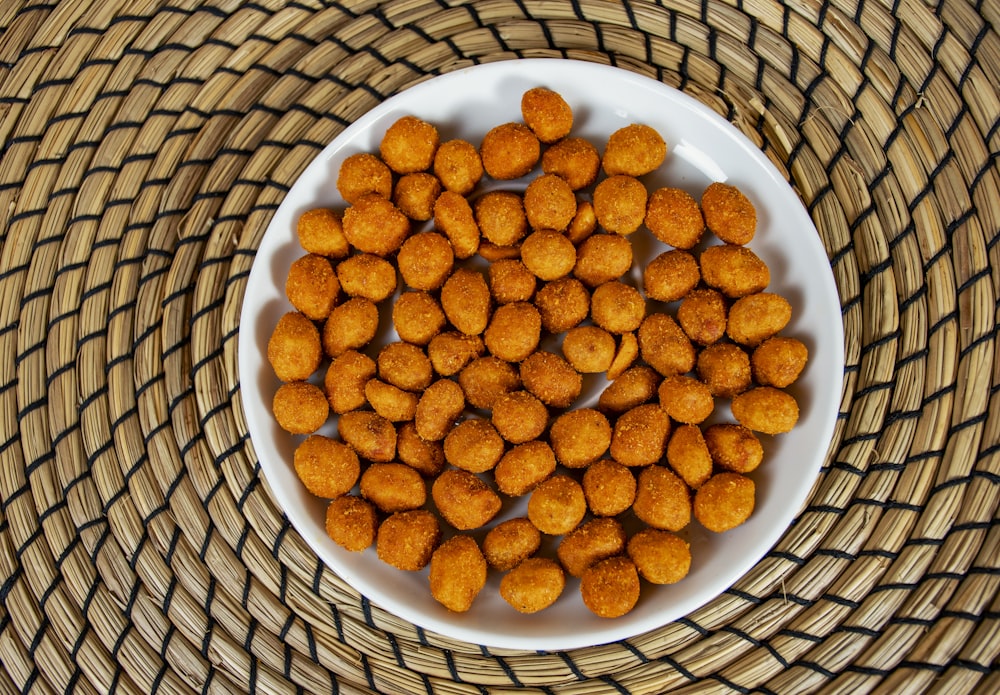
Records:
x=147, y=143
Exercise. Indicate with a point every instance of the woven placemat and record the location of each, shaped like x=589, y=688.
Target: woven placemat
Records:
x=145, y=146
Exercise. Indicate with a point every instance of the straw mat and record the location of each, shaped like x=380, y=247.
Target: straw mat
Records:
x=145, y=146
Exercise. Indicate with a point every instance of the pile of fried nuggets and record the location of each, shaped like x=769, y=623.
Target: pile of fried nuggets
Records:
x=467, y=408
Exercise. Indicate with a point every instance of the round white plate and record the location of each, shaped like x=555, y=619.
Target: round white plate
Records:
x=702, y=147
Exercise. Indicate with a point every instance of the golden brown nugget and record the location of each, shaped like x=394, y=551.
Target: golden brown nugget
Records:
x=417, y=317
x=766, y=409
x=635, y=386
x=391, y=402
x=584, y=222
x=610, y=588
x=321, y=231
x=546, y=113
x=756, y=317
x=409, y=145
x=509, y=151
x=533, y=585
x=575, y=159
x=451, y=351
x=702, y=315
x=352, y=523
x=294, y=350
x=369, y=434
x=367, y=275
x=405, y=366
x=350, y=326
x=511, y=281
x=424, y=456
x=457, y=573
x=729, y=214
x=733, y=447
x=415, y=195
x=440, y=406
x=634, y=150
x=778, y=361
x=563, y=304
x=640, y=435
x=557, y=505
x=312, y=286
x=374, y=225
x=602, y=258
x=458, y=166
x=465, y=298
x=664, y=346
x=625, y=355
x=551, y=379
x=725, y=501
x=406, y=540
x=725, y=369
x=300, y=407
x=362, y=173
x=393, y=487
x=473, y=445
x=674, y=217
x=492, y=253
x=519, y=416
x=590, y=543
x=609, y=487
x=685, y=399
x=453, y=217
x=688, y=455
x=486, y=379
x=736, y=271
x=589, y=349
x=549, y=203
x=464, y=500
x=524, y=467
x=661, y=557
x=662, y=499
x=326, y=467
x=617, y=307
x=345, y=380
x=514, y=331
x=425, y=260
x=501, y=217
x=510, y=543
x=671, y=276
x=548, y=254
x=620, y=204
x=580, y=437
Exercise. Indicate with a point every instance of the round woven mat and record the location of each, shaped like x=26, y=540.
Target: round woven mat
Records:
x=145, y=145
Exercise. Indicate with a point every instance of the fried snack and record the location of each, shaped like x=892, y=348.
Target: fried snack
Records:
x=415, y=195
x=326, y=467
x=524, y=467
x=424, y=456
x=549, y=203
x=425, y=260
x=609, y=487
x=625, y=355
x=509, y=151
x=300, y=407
x=602, y=258
x=766, y=409
x=345, y=381
x=511, y=281
x=321, y=231
x=576, y=160
x=664, y=346
x=409, y=145
x=486, y=379
x=451, y=351
x=491, y=253
x=756, y=317
x=312, y=286
x=457, y=573
x=362, y=173
x=685, y=399
x=725, y=501
x=584, y=222
x=590, y=543
x=501, y=217
x=688, y=455
x=440, y=406
x=369, y=434
x=640, y=435
x=551, y=379
x=634, y=150
x=548, y=254
x=662, y=499
x=458, y=166
x=465, y=298
x=660, y=556
x=729, y=214
x=635, y=386
x=736, y=271
x=702, y=315
x=533, y=585
x=367, y=275
x=406, y=540
x=617, y=307
x=610, y=588
x=405, y=366
x=294, y=350
x=351, y=522
x=453, y=216
x=374, y=225
x=580, y=437
x=671, y=276
x=674, y=217
x=391, y=402
x=350, y=326
x=519, y=416
x=557, y=505
x=563, y=304
x=546, y=113
x=393, y=487
x=514, y=331
x=778, y=361
x=620, y=204
x=473, y=445
x=510, y=543
x=464, y=500
x=733, y=447
x=417, y=317
x=725, y=369
x=589, y=349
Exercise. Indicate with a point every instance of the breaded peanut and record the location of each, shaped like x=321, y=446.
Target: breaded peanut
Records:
x=393, y=487
x=511, y=281
x=406, y=540
x=509, y=151
x=634, y=150
x=725, y=369
x=451, y=351
x=671, y=276
x=674, y=217
x=514, y=331
x=464, y=500
x=563, y=304
x=584, y=222
x=457, y=573
x=609, y=487
x=367, y=275
x=423, y=455
x=549, y=203
x=589, y=349
x=626, y=354
x=736, y=271
x=361, y=173
x=702, y=315
x=725, y=501
x=351, y=522
x=487, y=378
x=534, y=585
x=391, y=402
x=374, y=225
x=454, y=218
x=409, y=145
x=590, y=543
x=405, y=366
x=620, y=204
x=546, y=113
x=686, y=399
x=729, y=214
x=425, y=260
x=510, y=543
x=417, y=317
x=548, y=254
x=551, y=379
x=350, y=326
x=610, y=588
x=664, y=346
x=501, y=217
x=688, y=455
x=733, y=447
x=635, y=386
x=766, y=409
x=465, y=298
x=523, y=467
x=321, y=231
x=312, y=286
x=662, y=499
x=328, y=468
x=756, y=317
x=345, y=380
x=415, y=195
x=580, y=437
x=473, y=445
x=617, y=307
x=519, y=416
x=439, y=407
x=557, y=505
x=458, y=166
x=300, y=407
x=640, y=435
x=660, y=556
x=778, y=361
x=369, y=434
x=602, y=258
x=294, y=350
x=576, y=160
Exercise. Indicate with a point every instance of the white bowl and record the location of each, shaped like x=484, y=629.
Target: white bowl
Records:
x=702, y=147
